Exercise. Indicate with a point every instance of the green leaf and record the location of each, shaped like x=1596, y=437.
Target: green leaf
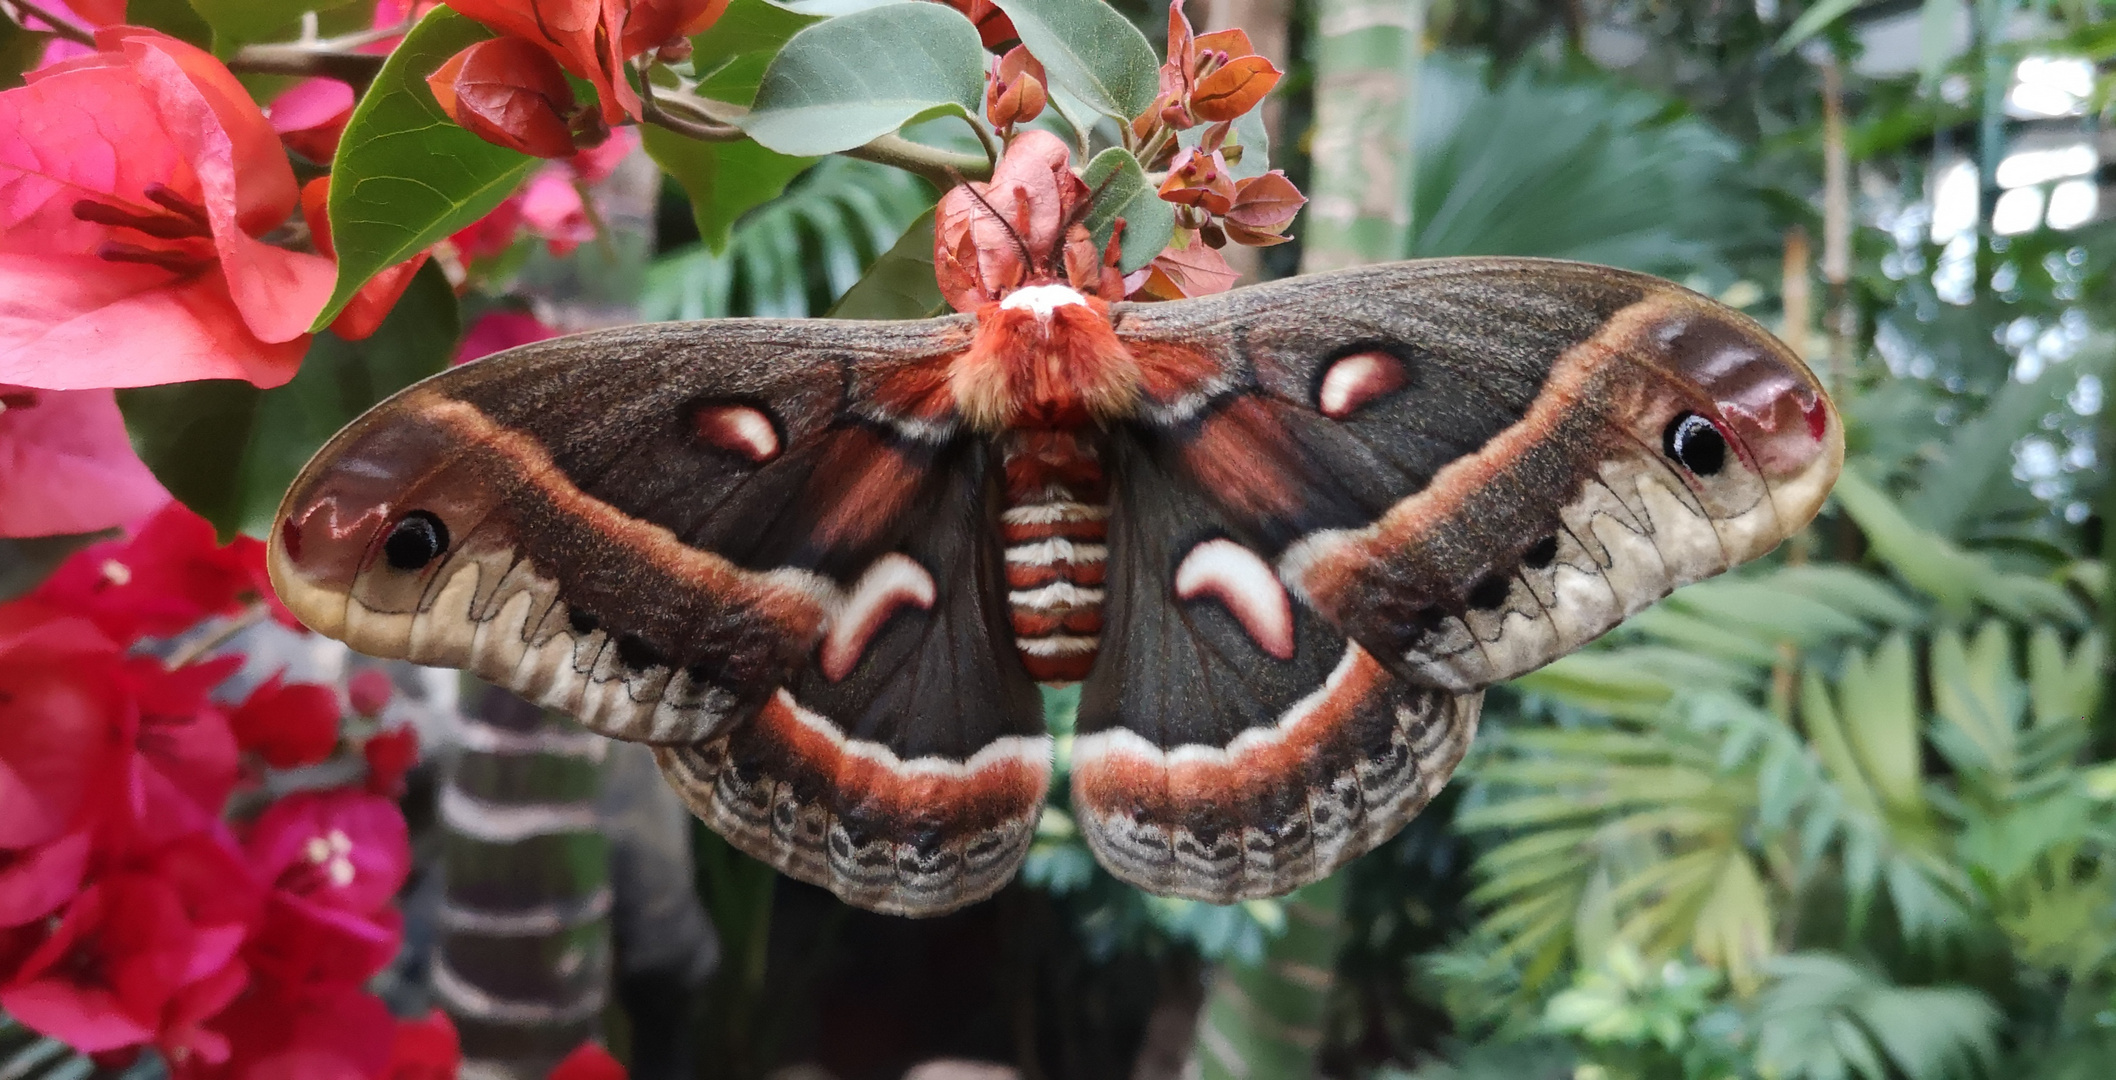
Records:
x=747, y=28
x=1090, y=50
x=730, y=56
x=176, y=18
x=1149, y=221
x=1880, y=700
x=847, y=81
x=406, y=176
x=1927, y=561
x=724, y=179
x=1827, y=732
x=900, y=284
x=1814, y=20
x=237, y=22
x=228, y=450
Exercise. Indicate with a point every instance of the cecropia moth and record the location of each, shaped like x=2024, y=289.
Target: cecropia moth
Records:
x=1283, y=538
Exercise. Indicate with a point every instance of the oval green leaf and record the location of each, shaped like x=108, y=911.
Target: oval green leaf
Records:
x=406, y=176
x=900, y=284
x=1122, y=191
x=1090, y=50
x=724, y=179
x=847, y=81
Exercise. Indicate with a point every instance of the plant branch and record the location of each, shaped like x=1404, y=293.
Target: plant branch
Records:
x=943, y=168
x=984, y=137
x=713, y=121
x=54, y=23
x=217, y=637
x=677, y=114
x=324, y=58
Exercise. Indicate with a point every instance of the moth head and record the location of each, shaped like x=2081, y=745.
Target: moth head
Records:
x=1748, y=415
x=373, y=518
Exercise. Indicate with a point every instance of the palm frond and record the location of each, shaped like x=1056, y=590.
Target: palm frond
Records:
x=795, y=255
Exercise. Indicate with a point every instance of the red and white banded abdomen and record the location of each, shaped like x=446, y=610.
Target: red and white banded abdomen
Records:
x=1055, y=526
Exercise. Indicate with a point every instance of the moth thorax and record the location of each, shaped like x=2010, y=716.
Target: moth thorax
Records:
x=1044, y=357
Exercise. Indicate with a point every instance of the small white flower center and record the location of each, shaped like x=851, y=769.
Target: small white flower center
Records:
x=1042, y=299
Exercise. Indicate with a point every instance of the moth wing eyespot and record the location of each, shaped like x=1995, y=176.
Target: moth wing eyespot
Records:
x=416, y=540
x=1695, y=443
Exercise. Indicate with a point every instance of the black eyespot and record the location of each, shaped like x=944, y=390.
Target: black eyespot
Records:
x=582, y=622
x=1541, y=554
x=418, y=539
x=638, y=655
x=1695, y=443
x=1490, y=593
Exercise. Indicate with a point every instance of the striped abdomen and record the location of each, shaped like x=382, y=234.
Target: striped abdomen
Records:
x=1055, y=524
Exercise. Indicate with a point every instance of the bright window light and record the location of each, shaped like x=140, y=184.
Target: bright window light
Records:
x=2049, y=86
x=2073, y=203
x=2018, y=211
x=1953, y=201
x=2027, y=167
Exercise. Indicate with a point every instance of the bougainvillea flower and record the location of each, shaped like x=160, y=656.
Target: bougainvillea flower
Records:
x=287, y=724
x=1189, y=267
x=1263, y=207
x=184, y=760
x=371, y=303
x=100, y=981
x=1214, y=77
x=83, y=14
x=63, y=714
x=67, y=466
x=172, y=573
x=300, y=943
x=510, y=93
x=134, y=187
x=37, y=881
x=61, y=708
x=552, y=209
x=499, y=330
x=991, y=238
x=1199, y=180
x=549, y=206
x=341, y=848
x=390, y=754
x=593, y=38
x=1014, y=90
x=589, y=1061
x=425, y=1049
x=310, y=117
x=993, y=26
x=126, y=965
x=368, y=691
x=278, y=1032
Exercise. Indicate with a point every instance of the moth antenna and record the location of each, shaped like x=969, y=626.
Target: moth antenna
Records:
x=1020, y=244
x=1080, y=212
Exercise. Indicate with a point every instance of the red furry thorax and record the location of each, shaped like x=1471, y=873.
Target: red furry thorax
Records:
x=1058, y=368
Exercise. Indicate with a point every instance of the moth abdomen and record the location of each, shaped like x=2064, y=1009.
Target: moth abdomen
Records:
x=1055, y=524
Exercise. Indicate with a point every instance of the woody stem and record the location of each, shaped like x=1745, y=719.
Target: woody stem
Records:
x=710, y=120
x=985, y=137
x=319, y=58
x=56, y=24
x=681, y=117
x=942, y=168
x=197, y=649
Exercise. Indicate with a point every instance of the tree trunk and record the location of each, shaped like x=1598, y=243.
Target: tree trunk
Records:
x=1366, y=68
